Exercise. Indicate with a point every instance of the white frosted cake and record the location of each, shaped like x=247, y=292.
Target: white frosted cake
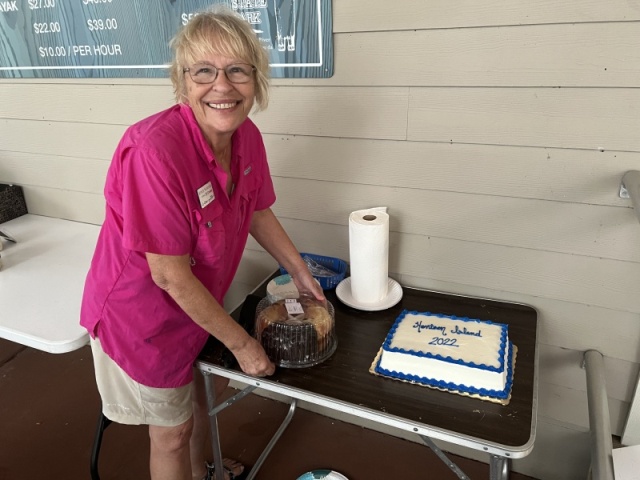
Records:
x=462, y=355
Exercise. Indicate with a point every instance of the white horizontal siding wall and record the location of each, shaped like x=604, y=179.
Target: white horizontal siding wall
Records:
x=496, y=134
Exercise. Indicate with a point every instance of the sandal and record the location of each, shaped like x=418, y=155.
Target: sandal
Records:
x=228, y=470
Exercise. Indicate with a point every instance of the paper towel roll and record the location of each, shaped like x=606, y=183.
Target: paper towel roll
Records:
x=369, y=254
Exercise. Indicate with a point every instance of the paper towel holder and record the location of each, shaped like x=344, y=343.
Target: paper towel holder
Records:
x=394, y=295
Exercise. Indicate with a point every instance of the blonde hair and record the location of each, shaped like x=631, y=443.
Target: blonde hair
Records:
x=219, y=31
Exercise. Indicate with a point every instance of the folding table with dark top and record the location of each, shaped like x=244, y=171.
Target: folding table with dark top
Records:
x=343, y=382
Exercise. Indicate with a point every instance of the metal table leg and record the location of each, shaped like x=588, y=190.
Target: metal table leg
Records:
x=441, y=455
x=272, y=442
x=499, y=468
x=213, y=423
x=213, y=411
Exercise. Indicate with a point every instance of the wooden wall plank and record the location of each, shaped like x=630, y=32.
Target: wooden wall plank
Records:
x=615, y=334
x=563, y=367
x=90, y=140
x=339, y=112
x=578, y=55
x=609, y=284
x=379, y=15
x=557, y=401
x=587, y=118
x=236, y=294
x=67, y=204
x=565, y=118
x=71, y=173
x=85, y=103
x=561, y=452
x=578, y=229
x=255, y=267
x=567, y=175
x=592, y=281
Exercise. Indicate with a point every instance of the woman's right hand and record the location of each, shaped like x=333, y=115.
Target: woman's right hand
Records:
x=253, y=359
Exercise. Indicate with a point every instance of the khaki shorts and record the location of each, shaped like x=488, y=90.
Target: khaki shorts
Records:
x=126, y=401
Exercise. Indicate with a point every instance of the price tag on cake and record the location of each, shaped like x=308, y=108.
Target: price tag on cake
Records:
x=293, y=306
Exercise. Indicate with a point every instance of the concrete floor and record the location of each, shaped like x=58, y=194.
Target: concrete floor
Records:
x=49, y=408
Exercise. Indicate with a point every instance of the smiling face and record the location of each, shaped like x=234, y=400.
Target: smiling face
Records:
x=219, y=107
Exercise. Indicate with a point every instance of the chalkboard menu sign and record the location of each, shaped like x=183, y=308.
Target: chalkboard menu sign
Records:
x=130, y=38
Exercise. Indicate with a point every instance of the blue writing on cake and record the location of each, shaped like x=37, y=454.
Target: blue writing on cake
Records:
x=429, y=326
x=464, y=331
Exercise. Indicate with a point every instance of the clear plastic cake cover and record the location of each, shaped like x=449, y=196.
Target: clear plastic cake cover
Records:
x=296, y=333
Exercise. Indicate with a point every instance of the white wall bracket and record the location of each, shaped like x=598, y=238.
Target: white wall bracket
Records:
x=624, y=193
x=630, y=188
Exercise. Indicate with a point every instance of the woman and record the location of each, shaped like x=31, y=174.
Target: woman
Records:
x=185, y=188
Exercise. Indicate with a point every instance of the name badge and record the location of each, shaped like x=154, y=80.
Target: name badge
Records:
x=205, y=194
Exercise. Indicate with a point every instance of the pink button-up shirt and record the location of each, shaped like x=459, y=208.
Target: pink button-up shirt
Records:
x=165, y=194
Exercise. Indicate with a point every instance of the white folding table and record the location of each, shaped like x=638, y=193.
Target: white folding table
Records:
x=41, y=281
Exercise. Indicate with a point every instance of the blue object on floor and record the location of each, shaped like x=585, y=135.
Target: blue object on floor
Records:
x=322, y=474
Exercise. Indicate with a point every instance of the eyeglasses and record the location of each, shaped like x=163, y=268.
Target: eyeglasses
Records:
x=205, y=73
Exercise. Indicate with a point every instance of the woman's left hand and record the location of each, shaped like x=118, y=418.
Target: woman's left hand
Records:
x=305, y=283
x=266, y=229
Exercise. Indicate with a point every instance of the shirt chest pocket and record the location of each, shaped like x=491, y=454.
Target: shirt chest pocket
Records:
x=210, y=242
x=248, y=199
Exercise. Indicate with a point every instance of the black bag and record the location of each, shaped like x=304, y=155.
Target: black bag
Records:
x=12, y=204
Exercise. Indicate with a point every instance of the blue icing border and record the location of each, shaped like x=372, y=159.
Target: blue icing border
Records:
x=482, y=366
x=501, y=394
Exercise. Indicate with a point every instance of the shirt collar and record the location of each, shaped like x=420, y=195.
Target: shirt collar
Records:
x=237, y=147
